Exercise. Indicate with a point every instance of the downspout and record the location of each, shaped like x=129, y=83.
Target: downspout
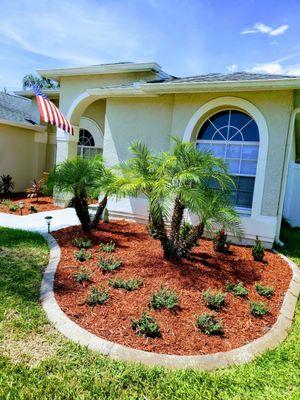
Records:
x=287, y=156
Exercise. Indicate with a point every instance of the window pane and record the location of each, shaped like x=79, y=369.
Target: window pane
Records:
x=203, y=146
x=218, y=150
x=233, y=166
x=248, y=167
x=239, y=119
x=245, y=184
x=250, y=152
x=250, y=132
x=207, y=131
x=234, y=151
x=244, y=199
x=220, y=119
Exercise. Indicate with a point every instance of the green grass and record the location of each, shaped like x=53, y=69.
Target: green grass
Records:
x=36, y=362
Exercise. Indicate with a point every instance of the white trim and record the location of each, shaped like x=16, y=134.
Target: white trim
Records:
x=255, y=113
x=94, y=129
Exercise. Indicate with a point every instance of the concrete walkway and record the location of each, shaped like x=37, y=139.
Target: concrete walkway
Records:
x=36, y=222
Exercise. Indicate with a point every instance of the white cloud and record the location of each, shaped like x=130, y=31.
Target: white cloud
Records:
x=265, y=29
x=276, y=68
x=232, y=67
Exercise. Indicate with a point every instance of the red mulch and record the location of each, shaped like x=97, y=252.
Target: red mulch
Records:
x=44, y=203
x=142, y=258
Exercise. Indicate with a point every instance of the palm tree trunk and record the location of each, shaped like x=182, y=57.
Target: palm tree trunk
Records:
x=191, y=241
x=82, y=210
x=158, y=225
x=99, y=211
x=176, y=223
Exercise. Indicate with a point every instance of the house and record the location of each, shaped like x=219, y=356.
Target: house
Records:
x=249, y=119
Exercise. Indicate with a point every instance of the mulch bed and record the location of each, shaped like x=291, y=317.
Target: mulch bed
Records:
x=44, y=203
x=141, y=257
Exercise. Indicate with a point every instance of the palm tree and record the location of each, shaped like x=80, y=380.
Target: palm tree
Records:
x=39, y=81
x=177, y=181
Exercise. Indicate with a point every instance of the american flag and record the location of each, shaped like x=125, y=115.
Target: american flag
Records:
x=50, y=113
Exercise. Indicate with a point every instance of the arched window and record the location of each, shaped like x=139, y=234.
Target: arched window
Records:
x=86, y=145
x=233, y=136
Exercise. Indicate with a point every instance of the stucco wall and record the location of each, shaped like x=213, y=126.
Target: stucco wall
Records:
x=21, y=156
x=276, y=107
x=96, y=111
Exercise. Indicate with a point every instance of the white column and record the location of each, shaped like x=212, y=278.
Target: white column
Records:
x=66, y=144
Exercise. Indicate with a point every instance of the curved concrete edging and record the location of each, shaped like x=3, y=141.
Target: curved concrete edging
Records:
x=209, y=362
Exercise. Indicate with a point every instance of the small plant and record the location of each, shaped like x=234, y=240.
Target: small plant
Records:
x=109, y=264
x=238, y=290
x=35, y=189
x=215, y=300
x=220, y=242
x=185, y=229
x=13, y=207
x=258, y=250
x=209, y=324
x=146, y=326
x=83, y=276
x=97, y=296
x=83, y=255
x=81, y=243
x=264, y=291
x=258, y=309
x=108, y=247
x=164, y=299
x=6, y=184
x=32, y=209
x=105, y=216
x=6, y=202
x=130, y=284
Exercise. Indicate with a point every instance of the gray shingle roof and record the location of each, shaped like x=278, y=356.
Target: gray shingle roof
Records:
x=15, y=108
x=218, y=77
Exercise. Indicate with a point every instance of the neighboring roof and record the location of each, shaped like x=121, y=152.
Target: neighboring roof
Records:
x=115, y=68
x=17, y=111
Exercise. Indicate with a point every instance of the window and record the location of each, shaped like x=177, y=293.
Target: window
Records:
x=86, y=145
x=233, y=136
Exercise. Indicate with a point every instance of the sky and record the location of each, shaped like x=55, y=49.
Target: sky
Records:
x=186, y=37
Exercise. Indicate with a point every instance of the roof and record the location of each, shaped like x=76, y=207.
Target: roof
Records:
x=17, y=111
x=50, y=93
x=218, y=77
x=114, y=68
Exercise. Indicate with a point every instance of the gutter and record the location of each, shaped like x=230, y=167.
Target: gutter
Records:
x=287, y=156
x=37, y=128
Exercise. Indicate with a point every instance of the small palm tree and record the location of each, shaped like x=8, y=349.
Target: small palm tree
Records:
x=39, y=81
x=177, y=181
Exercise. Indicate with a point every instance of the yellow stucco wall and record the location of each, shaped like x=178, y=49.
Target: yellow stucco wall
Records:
x=21, y=156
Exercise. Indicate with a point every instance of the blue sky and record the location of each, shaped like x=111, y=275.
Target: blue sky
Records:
x=184, y=37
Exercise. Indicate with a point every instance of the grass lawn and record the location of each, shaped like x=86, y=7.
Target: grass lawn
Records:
x=36, y=362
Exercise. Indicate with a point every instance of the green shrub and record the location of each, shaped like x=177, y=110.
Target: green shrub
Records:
x=97, y=296
x=108, y=247
x=109, y=264
x=214, y=300
x=130, y=284
x=146, y=326
x=237, y=290
x=258, y=250
x=264, y=290
x=82, y=243
x=13, y=207
x=6, y=202
x=258, y=309
x=83, y=255
x=164, y=299
x=209, y=324
x=220, y=242
x=32, y=209
x=83, y=275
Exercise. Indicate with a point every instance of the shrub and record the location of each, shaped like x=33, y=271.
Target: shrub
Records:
x=13, y=207
x=109, y=264
x=164, y=299
x=130, y=284
x=6, y=184
x=83, y=276
x=146, y=326
x=209, y=324
x=264, y=290
x=237, y=290
x=108, y=247
x=83, y=255
x=35, y=189
x=32, y=209
x=258, y=309
x=220, y=242
x=82, y=243
x=258, y=250
x=97, y=296
x=214, y=300
x=6, y=202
